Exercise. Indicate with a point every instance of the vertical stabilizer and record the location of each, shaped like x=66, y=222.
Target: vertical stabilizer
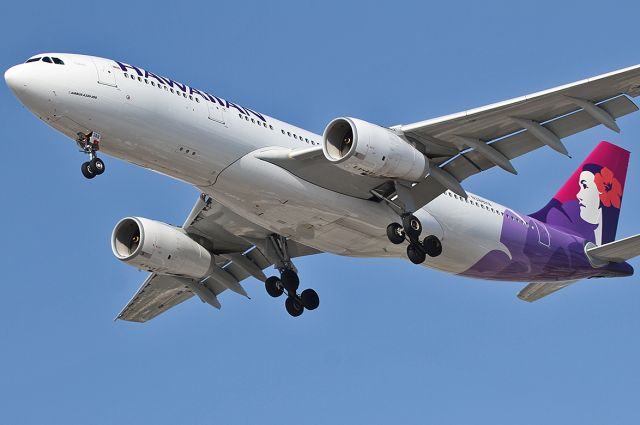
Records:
x=589, y=202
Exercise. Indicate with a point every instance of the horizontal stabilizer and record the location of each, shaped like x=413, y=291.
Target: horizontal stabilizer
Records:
x=536, y=290
x=616, y=251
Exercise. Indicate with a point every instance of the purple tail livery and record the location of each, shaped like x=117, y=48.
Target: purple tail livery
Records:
x=588, y=204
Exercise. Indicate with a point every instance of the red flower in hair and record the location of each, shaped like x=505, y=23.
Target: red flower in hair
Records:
x=609, y=187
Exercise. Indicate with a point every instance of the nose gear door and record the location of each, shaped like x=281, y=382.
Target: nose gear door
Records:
x=106, y=75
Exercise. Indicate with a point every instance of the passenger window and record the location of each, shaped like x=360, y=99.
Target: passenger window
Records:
x=140, y=79
x=133, y=77
x=57, y=61
x=270, y=127
x=153, y=84
x=288, y=134
x=282, y=131
x=252, y=120
x=46, y=59
x=171, y=90
x=190, y=97
x=197, y=100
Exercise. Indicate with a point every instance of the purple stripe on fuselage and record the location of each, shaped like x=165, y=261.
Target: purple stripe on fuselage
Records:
x=539, y=252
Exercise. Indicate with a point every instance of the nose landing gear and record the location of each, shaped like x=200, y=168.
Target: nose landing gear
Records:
x=410, y=231
x=90, y=144
x=288, y=282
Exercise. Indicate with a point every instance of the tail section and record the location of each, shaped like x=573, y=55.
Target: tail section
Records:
x=589, y=202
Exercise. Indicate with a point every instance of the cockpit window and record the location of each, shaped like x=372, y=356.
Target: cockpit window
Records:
x=46, y=59
x=33, y=60
x=57, y=61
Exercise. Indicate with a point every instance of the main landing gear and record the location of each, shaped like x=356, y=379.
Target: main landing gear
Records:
x=90, y=144
x=410, y=231
x=288, y=282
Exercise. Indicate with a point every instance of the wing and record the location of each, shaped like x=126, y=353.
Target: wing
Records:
x=240, y=250
x=466, y=143
x=518, y=126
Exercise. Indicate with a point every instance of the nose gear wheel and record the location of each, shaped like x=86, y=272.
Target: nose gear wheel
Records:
x=90, y=144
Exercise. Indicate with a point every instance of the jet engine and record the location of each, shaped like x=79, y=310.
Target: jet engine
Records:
x=160, y=248
x=367, y=149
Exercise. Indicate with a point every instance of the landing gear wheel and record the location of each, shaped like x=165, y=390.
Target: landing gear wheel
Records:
x=395, y=233
x=87, y=171
x=293, y=306
x=273, y=286
x=310, y=299
x=412, y=226
x=416, y=254
x=432, y=246
x=97, y=166
x=290, y=280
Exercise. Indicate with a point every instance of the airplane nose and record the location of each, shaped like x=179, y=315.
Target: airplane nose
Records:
x=12, y=76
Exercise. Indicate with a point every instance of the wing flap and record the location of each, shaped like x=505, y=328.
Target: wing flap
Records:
x=617, y=251
x=521, y=143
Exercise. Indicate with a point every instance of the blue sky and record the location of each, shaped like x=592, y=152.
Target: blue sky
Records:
x=391, y=342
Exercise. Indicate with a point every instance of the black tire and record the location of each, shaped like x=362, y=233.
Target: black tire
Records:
x=412, y=226
x=293, y=306
x=310, y=299
x=395, y=233
x=97, y=166
x=416, y=254
x=432, y=246
x=87, y=171
x=290, y=280
x=272, y=285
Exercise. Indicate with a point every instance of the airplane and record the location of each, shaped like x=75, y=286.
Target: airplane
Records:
x=272, y=192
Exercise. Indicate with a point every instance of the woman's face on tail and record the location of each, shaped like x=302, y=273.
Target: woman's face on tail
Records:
x=589, y=198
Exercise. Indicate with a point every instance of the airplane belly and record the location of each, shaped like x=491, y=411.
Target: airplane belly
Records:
x=279, y=201
x=469, y=233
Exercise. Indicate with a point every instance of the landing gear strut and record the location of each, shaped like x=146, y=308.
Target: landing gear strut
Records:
x=410, y=231
x=288, y=282
x=90, y=144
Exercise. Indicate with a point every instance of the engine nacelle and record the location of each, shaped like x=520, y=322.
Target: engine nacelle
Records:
x=366, y=149
x=160, y=248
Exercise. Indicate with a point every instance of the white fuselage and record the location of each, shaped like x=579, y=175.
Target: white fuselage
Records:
x=213, y=146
